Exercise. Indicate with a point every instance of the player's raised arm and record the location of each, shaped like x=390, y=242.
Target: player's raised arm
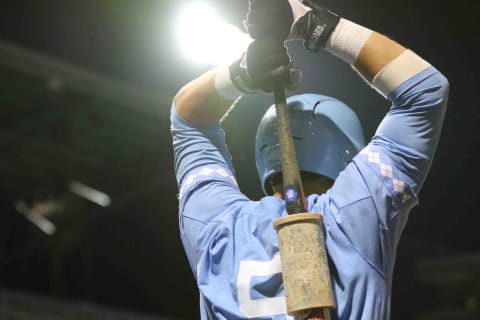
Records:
x=200, y=102
x=418, y=91
x=263, y=66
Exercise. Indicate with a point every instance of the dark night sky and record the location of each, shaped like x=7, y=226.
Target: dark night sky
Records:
x=133, y=41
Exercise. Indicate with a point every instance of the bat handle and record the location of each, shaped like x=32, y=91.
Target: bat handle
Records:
x=293, y=193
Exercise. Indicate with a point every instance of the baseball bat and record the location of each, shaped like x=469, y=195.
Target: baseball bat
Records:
x=292, y=184
x=293, y=194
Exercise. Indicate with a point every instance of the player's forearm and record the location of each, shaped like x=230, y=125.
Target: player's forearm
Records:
x=200, y=102
x=383, y=62
x=375, y=54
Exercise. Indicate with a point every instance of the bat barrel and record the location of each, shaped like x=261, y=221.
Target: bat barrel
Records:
x=305, y=271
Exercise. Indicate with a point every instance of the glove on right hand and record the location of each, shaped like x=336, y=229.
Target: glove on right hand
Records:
x=265, y=66
x=270, y=19
x=312, y=23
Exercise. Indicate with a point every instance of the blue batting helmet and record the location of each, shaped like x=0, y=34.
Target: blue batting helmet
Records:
x=327, y=134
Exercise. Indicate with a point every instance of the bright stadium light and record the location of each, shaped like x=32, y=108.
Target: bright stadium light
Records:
x=206, y=38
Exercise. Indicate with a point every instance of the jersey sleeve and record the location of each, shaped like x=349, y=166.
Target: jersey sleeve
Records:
x=206, y=181
x=371, y=199
x=409, y=133
x=197, y=146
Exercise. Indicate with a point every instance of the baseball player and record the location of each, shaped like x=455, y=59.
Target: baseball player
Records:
x=363, y=191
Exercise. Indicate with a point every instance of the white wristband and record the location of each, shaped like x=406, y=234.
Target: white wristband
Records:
x=394, y=73
x=224, y=85
x=347, y=40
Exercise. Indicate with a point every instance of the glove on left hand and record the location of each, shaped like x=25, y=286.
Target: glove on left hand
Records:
x=265, y=66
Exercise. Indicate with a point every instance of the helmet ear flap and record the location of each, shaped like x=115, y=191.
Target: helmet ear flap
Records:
x=326, y=133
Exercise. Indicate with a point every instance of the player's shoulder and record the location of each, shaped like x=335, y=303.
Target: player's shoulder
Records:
x=381, y=177
x=350, y=186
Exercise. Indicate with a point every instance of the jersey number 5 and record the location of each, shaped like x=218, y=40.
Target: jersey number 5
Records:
x=257, y=308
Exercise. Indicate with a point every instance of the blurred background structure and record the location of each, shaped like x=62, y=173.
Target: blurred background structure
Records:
x=88, y=209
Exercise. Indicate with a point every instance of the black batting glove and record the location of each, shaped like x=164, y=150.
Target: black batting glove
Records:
x=265, y=66
x=269, y=19
x=316, y=26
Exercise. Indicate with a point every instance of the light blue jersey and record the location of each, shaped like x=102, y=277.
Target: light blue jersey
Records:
x=230, y=241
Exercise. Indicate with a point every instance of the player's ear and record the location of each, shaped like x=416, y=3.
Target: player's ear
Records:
x=274, y=184
x=315, y=183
